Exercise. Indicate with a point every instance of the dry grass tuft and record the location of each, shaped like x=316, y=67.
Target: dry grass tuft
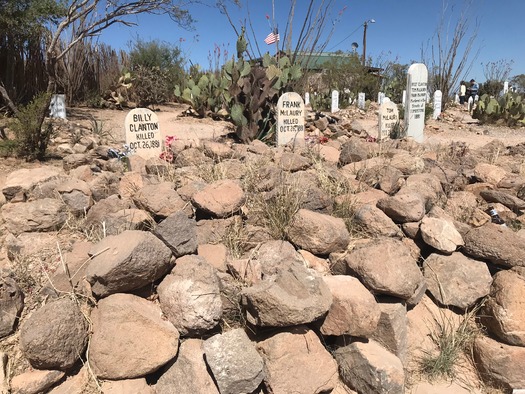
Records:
x=453, y=339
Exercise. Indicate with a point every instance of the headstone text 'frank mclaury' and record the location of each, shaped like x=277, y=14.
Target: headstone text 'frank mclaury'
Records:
x=290, y=119
x=143, y=133
x=416, y=99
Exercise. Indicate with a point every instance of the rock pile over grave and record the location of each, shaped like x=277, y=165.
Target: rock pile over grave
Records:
x=249, y=269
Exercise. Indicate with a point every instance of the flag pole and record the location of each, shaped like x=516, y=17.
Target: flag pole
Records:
x=275, y=31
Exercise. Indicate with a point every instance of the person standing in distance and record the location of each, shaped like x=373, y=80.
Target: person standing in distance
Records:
x=474, y=89
x=462, y=92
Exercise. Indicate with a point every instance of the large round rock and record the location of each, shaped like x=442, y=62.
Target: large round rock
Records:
x=55, y=336
x=127, y=262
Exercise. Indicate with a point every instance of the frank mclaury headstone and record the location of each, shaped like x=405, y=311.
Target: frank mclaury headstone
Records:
x=290, y=119
x=143, y=133
x=416, y=99
x=388, y=118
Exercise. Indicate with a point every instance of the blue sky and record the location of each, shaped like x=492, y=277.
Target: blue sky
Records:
x=401, y=29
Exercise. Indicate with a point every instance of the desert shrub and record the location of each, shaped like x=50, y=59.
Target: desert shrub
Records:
x=150, y=86
x=31, y=134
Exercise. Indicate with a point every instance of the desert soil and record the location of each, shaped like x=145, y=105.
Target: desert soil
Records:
x=456, y=125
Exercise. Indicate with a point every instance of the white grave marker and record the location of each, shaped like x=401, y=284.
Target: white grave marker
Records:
x=361, y=100
x=470, y=103
x=388, y=118
x=456, y=98
x=404, y=98
x=335, y=101
x=476, y=98
x=380, y=97
x=438, y=96
x=415, y=103
x=57, y=108
x=505, y=87
x=290, y=119
x=143, y=133
x=307, y=98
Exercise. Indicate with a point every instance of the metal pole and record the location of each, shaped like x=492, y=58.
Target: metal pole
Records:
x=363, y=60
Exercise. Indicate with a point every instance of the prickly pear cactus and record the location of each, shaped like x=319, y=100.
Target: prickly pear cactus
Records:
x=509, y=108
x=247, y=93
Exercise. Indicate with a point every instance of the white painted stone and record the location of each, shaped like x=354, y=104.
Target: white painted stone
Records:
x=437, y=104
x=307, y=98
x=290, y=119
x=388, y=117
x=143, y=133
x=416, y=97
x=361, y=100
x=335, y=101
x=57, y=107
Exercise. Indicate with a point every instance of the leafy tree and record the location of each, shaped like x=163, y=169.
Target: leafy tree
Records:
x=395, y=81
x=348, y=72
x=496, y=73
x=161, y=56
x=518, y=81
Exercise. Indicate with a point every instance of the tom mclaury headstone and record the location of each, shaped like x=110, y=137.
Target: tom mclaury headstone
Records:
x=416, y=99
x=388, y=118
x=143, y=133
x=290, y=119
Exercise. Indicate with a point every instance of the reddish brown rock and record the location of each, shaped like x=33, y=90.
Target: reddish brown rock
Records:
x=354, y=310
x=504, y=311
x=285, y=351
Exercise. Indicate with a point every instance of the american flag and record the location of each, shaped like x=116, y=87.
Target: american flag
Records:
x=272, y=38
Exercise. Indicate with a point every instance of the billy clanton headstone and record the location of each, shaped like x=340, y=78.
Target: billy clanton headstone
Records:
x=143, y=133
x=415, y=102
x=290, y=119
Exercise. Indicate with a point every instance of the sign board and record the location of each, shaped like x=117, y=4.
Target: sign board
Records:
x=57, y=108
x=415, y=102
x=143, y=133
x=388, y=118
x=290, y=119
x=437, y=104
